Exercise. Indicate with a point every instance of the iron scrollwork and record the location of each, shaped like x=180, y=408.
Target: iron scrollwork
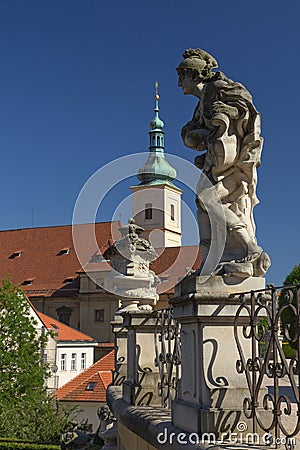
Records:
x=259, y=321
x=167, y=355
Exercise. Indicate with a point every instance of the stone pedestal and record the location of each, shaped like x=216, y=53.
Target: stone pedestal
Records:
x=211, y=392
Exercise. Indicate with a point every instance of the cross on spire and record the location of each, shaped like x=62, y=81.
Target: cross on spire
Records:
x=156, y=91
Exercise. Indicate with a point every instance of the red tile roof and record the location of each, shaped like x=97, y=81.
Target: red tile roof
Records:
x=106, y=344
x=99, y=373
x=172, y=264
x=41, y=258
x=64, y=332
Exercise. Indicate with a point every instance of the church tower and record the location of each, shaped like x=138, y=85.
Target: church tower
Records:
x=156, y=201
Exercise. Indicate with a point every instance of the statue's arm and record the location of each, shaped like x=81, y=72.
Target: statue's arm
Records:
x=194, y=137
x=218, y=107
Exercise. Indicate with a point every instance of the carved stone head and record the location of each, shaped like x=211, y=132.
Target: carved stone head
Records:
x=197, y=64
x=104, y=413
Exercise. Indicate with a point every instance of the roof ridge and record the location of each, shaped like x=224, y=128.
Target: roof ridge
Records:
x=59, y=226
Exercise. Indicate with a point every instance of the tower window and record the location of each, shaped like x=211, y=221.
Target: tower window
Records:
x=158, y=141
x=172, y=212
x=99, y=315
x=148, y=211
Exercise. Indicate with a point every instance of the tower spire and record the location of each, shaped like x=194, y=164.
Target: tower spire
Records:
x=156, y=91
x=156, y=201
x=156, y=170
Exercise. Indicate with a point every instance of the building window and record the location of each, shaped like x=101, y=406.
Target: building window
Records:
x=64, y=251
x=99, y=315
x=83, y=361
x=158, y=141
x=27, y=282
x=148, y=211
x=63, y=361
x=90, y=386
x=64, y=314
x=172, y=212
x=73, y=361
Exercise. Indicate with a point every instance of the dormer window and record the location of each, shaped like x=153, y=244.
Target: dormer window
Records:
x=90, y=386
x=64, y=251
x=16, y=254
x=69, y=280
x=27, y=282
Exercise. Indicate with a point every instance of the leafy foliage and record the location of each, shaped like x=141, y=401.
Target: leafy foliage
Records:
x=26, y=446
x=287, y=316
x=27, y=410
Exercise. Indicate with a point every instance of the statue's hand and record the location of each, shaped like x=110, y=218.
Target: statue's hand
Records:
x=196, y=139
x=185, y=129
x=200, y=160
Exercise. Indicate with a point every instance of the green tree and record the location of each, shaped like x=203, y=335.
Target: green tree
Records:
x=288, y=317
x=27, y=410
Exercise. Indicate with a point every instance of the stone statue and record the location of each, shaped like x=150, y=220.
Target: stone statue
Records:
x=131, y=278
x=226, y=126
x=107, y=428
x=75, y=440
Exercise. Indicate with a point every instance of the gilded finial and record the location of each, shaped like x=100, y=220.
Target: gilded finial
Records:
x=156, y=91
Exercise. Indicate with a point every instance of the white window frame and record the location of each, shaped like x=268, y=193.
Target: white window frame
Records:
x=83, y=361
x=73, y=361
x=63, y=361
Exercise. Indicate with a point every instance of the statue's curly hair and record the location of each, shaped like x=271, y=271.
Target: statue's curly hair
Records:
x=194, y=54
x=201, y=54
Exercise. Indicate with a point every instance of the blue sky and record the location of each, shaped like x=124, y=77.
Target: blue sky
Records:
x=76, y=92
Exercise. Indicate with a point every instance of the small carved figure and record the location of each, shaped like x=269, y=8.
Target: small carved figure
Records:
x=75, y=440
x=131, y=243
x=108, y=428
x=226, y=126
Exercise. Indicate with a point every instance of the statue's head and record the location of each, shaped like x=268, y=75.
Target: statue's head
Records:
x=104, y=412
x=197, y=64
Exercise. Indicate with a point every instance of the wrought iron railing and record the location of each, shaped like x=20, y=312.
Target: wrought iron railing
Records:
x=265, y=317
x=168, y=355
x=166, y=364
